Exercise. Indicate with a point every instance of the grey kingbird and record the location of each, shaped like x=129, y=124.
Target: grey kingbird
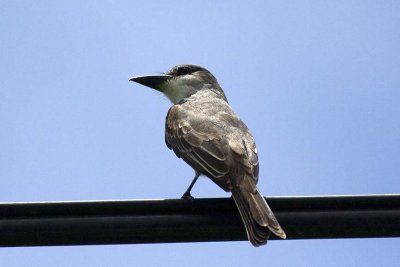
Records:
x=202, y=129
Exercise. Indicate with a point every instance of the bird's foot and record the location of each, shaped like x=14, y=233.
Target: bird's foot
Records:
x=187, y=196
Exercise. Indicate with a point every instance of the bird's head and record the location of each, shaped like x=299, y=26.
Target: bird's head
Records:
x=181, y=81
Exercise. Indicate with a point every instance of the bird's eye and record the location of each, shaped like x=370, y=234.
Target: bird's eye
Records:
x=183, y=70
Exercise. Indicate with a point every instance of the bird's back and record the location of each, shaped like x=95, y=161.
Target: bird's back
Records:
x=206, y=133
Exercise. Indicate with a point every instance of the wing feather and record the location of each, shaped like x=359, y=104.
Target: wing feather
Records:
x=199, y=143
x=211, y=145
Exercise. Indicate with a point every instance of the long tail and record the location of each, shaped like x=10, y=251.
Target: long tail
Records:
x=257, y=216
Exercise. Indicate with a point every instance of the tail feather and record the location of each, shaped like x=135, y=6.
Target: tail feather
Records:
x=257, y=216
x=263, y=214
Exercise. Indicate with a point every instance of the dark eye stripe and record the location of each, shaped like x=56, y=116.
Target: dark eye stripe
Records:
x=183, y=70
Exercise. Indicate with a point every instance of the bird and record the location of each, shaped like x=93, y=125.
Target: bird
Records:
x=203, y=130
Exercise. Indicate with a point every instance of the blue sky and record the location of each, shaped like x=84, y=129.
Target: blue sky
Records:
x=317, y=83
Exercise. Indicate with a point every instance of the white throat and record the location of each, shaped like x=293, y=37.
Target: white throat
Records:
x=176, y=90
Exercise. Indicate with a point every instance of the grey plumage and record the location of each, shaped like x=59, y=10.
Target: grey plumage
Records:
x=203, y=130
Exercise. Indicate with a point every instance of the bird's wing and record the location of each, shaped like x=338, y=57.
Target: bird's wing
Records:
x=203, y=142
x=197, y=140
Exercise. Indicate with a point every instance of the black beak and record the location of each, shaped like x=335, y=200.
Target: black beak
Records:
x=153, y=81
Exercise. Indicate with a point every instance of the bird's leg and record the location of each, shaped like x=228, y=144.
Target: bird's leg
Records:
x=187, y=194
